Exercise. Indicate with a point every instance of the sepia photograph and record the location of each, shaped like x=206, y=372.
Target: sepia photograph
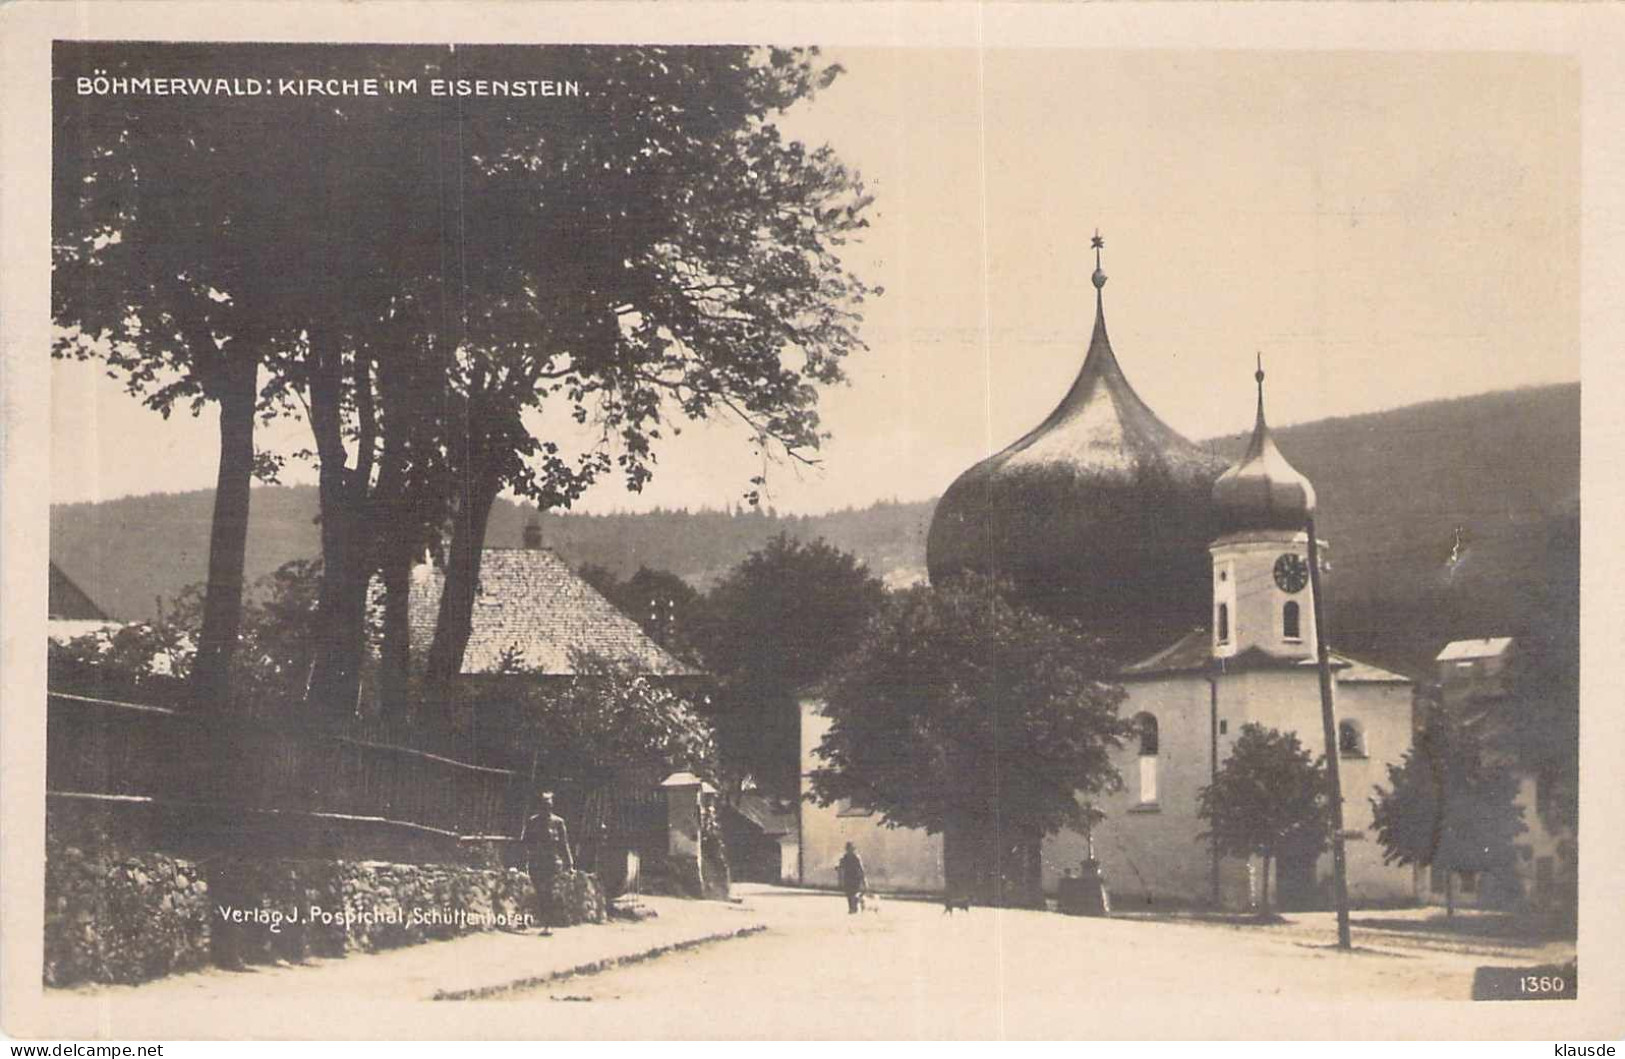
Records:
x=987, y=524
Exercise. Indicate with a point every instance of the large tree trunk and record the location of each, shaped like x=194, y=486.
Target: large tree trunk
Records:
x=395, y=653
x=456, y=618
x=238, y=395
x=402, y=509
x=335, y=683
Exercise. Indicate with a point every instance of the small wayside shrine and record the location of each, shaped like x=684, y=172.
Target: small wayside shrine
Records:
x=1196, y=574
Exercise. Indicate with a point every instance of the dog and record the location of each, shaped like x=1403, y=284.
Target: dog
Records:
x=950, y=902
x=868, y=902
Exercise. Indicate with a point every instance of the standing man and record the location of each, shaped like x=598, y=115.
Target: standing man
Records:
x=853, y=880
x=547, y=853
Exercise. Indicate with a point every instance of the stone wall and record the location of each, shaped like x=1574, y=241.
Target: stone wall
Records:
x=122, y=917
x=116, y=914
x=577, y=898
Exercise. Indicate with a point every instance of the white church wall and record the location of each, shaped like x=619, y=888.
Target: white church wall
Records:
x=1289, y=700
x=1382, y=712
x=1149, y=852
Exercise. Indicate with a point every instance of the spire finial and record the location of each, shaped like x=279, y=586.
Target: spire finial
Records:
x=1259, y=376
x=1099, y=277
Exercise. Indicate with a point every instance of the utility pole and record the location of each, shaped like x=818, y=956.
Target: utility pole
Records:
x=1340, y=876
x=1213, y=775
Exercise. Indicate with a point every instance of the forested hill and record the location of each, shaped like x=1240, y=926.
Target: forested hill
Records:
x=1438, y=515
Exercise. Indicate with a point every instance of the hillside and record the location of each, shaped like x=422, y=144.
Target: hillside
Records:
x=1438, y=516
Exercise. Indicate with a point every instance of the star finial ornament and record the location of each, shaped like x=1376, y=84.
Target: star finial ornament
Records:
x=1097, y=242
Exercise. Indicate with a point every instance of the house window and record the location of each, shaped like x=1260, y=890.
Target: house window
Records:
x=1147, y=726
x=1291, y=627
x=1224, y=622
x=1350, y=740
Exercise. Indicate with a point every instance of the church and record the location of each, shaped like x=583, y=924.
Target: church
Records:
x=1197, y=574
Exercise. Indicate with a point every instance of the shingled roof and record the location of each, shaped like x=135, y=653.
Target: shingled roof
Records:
x=530, y=602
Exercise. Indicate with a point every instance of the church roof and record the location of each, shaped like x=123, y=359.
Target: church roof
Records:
x=1100, y=512
x=1193, y=653
x=532, y=605
x=1101, y=427
x=1262, y=490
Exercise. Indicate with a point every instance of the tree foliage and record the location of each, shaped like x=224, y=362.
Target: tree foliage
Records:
x=1268, y=799
x=603, y=721
x=961, y=708
x=445, y=291
x=1536, y=722
x=269, y=669
x=1445, y=805
x=771, y=630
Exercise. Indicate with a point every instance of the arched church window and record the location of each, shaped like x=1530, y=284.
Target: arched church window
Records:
x=1147, y=725
x=1224, y=622
x=1350, y=740
x=1291, y=624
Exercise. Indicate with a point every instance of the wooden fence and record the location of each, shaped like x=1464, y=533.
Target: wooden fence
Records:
x=105, y=747
x=218, y=783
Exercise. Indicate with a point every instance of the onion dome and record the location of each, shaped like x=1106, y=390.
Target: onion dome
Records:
x=1262, y=490
x=1102, y=513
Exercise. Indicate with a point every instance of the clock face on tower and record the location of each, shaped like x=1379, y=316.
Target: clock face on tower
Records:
x=1291, y=573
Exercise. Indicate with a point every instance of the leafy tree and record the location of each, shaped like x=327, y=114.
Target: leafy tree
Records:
x=1446, y=807
x=143, y=661
x=668, y=255
x=969, y=716
x=142, y=280
x=269, y=669
x=1268, y=799
x=772, y=629
x=606, y=719
x=198, y=248
x=1536, y=722
x=594, y=736
x=438, y=285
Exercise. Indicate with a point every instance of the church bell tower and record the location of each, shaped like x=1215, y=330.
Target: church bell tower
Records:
x=1262, y=598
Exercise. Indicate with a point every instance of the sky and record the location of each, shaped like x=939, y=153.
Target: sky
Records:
x=1385, y=228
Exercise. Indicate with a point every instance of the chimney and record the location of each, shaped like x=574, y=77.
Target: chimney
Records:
x=533, y=534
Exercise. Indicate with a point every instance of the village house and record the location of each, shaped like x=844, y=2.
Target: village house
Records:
x=538, y=626
x=1471, y=683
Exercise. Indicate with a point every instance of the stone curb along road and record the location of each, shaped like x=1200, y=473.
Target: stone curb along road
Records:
x=595, y=966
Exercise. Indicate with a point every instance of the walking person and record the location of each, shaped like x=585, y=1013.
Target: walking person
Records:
x=853, y=880
x=547, y=853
